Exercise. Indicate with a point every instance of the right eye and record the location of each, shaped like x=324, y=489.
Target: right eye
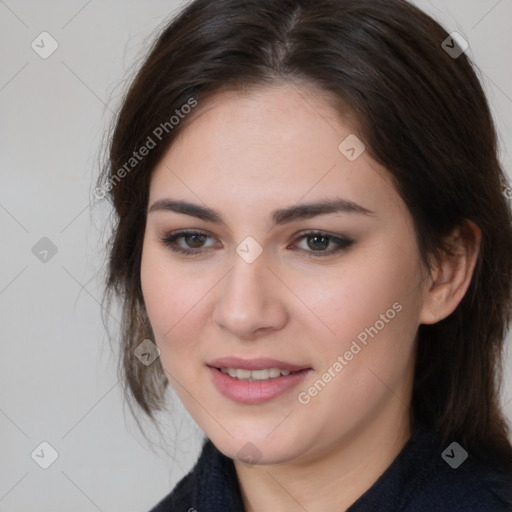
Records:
x=187, y=242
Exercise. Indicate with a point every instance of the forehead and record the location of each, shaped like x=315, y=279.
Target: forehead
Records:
x=281, y=141
x=271, y=116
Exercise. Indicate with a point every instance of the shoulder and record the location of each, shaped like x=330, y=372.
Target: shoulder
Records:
x=471, y=487
x=427, y=475
x=180, y=498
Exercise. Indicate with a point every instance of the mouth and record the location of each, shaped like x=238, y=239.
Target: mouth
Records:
x=255, y=381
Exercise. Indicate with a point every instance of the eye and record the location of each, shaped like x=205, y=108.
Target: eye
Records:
x=320, y=244
x=187, y=242
x=316, y=243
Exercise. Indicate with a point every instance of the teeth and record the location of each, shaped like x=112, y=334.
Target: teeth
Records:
x=250, y=375
x=274, y=372
x=243, y=374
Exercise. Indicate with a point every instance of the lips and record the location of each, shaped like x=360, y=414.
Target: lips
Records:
x=254, y=381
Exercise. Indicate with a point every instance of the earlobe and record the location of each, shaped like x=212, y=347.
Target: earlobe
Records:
x=451, y=277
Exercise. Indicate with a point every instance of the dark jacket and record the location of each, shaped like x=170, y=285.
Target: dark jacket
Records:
x=420, y=479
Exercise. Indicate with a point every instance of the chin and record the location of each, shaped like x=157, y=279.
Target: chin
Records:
x=256, y=449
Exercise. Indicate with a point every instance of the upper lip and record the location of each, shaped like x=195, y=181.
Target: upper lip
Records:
x=255, y=364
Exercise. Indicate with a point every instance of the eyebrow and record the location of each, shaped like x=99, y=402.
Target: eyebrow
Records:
x=280, y=216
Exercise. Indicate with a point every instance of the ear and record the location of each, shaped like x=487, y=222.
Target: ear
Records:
x=450, y=277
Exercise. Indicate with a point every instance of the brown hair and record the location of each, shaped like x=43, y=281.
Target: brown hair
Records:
x=421, y=113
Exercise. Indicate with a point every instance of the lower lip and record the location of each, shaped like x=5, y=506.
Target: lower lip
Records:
x=256, y=391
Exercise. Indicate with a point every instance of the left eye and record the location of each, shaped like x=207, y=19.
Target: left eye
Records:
x=316, y=244
x=322, y=244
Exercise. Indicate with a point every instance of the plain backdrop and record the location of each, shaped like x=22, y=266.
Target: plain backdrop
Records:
x=58, y=379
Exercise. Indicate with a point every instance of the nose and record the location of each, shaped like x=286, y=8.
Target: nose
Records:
x=250, y=303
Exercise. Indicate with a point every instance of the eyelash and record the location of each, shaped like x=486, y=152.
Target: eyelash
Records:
x=341, y=242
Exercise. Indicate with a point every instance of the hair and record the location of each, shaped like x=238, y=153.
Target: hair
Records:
x=421, y=113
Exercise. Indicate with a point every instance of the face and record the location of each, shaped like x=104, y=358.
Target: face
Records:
x=281, y=277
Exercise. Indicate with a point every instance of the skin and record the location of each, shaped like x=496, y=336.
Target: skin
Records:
x=246, y=155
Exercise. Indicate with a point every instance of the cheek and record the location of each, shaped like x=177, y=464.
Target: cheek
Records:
x=169, y=295
x=373, y=311
x=376, y=291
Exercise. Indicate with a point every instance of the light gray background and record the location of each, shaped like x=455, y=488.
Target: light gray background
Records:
x=58, y=380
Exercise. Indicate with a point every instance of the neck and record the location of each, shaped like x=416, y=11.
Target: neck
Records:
x=333, y=480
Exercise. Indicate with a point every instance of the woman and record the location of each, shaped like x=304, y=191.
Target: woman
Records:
x=311, y=229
